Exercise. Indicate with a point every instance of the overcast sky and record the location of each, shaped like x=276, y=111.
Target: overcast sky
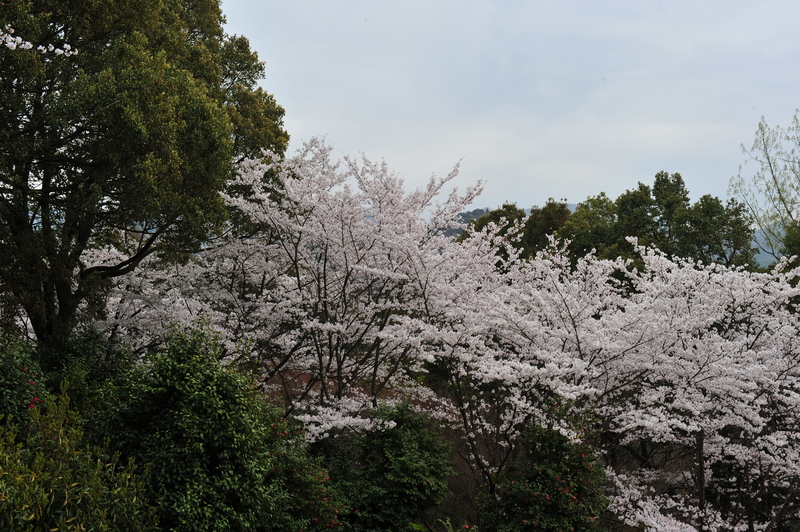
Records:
x=539, y=99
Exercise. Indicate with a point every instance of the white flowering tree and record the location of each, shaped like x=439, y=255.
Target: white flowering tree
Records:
x=692, y=372
x=345, y=291
x=338, y=299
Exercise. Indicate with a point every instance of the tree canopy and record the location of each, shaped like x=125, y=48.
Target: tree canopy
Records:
x=660, y=215
x=663, y=216
x=128, y=142
x=532, y=233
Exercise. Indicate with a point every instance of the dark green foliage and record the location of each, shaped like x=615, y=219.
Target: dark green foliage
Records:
x=388, y=477
x=711, y=231
x=543, y=222
x=48, y=481
x=556, y=485
x=662, y=216
x=86, y=359
x=535, y=228
x=220, y=457
x=592, y=226
x=21, y=386
x=504, y=217
x=790, y=245
x=637, y=215
x=129, y=143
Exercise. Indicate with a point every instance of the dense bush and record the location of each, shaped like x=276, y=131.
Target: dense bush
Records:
x=556, y=485
x=86, y=359
x=48, y=481
x=391, y=475
x=220, y=457
x=21, y=386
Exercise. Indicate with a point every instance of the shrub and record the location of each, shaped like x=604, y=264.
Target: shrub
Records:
x=86, y=358
x=21, y=386
x=391, y=475
x=221, y=457
x=556, y=485
x=49, y=482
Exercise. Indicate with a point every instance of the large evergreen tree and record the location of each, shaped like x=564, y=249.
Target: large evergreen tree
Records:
x=130, y=139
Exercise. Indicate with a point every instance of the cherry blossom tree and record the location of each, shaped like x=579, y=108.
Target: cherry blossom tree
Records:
x=337, y=300
x=345, y=291
x=692, y=372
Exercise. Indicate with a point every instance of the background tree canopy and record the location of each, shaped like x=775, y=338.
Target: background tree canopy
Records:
x=129, y=141
x=662, y=215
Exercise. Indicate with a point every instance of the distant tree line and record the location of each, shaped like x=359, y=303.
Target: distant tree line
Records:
x=662, y=215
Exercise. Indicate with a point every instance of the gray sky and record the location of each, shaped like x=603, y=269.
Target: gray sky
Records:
x=539, y=99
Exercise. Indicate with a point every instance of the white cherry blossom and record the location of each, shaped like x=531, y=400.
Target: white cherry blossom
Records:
x=345, y=291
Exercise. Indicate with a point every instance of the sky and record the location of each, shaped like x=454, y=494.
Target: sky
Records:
x=537, y=99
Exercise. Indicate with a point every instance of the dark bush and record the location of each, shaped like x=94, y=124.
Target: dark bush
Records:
x=390, y=476
x=556, y=485
x=86, y=359
x=21, y=386
x=49, y=481
x=220, y=457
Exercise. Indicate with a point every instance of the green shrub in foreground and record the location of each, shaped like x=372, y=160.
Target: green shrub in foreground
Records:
x=48, y=481
x=21, y=383
x=86, y=358
x=388, y=477
x=556, y=485
x=221, y=458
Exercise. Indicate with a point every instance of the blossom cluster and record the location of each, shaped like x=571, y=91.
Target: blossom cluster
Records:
x=11, y=42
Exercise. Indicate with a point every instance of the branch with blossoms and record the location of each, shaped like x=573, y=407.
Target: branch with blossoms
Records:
x=11, y=42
